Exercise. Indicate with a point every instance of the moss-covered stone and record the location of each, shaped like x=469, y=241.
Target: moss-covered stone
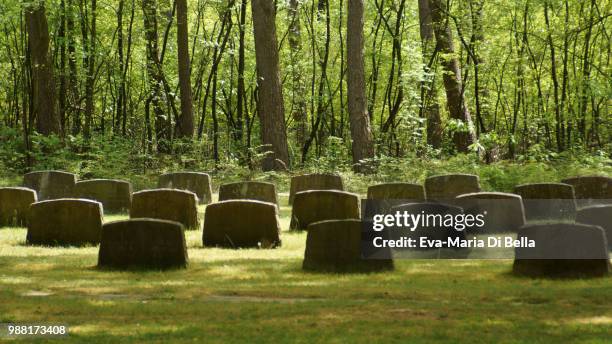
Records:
x=258, y=191
x=320, y=205
x=562, y=250
x=115, y=195
x=503, y=212
x=241, y=223
x=166, y=204
x=196, y=182
x=65, y=222
x=50, y=184
x=446, y=187
x=314, y=181
x=591, y=190
x=335, y=246
x=598, y=215
x=15, y=206
x=547, y=201
x=143, y=243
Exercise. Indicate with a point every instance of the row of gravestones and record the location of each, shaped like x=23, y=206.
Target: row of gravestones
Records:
x=247, y=223
x=331, y=218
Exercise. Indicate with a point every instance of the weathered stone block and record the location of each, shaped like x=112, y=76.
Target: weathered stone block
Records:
x=241, y=223
x=320, y=205
x=115, y=195
x=446, y=187
x=335, y=246
x=503, y=212
x=598, y=215
x=15, y=206
x=436, y=228
x=166, y=204
x=258, y=191
x=547, y=201
x=562, y=250
x=314, y=181
x=591, y=190
x=65, y=222
x=50, y=184
x=403, y=191
x=143, y=243
x=196, y=182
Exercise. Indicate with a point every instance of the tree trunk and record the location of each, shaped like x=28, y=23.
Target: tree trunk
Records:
x=429, y=94
x=74, y=106
x=299, y=114
x=361, y=133
x=156, y=94
x=455, y=99
x=43, y=84
x=90, y=58
x=270, y=105
x=185, y=125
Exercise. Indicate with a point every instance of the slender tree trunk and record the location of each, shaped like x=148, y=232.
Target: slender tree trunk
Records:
x=559, y=128
x=156, y=93
x=43, y=84
x=452, y=76
x=185, y=125
x=74, y=106
x=62, y=73
x=361, y=133
x=299, y=113
x=91, y=70
x=270, y=106
x=429, y=94
x=241, y=90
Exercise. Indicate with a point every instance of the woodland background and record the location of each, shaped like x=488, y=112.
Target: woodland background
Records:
x=129, y=87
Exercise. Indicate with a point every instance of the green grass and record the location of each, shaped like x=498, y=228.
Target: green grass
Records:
x=264, y=296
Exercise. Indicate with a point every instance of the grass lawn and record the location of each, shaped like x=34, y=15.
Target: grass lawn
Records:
x=264, y=296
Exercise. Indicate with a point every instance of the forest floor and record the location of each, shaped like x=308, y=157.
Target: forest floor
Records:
x=264, y=296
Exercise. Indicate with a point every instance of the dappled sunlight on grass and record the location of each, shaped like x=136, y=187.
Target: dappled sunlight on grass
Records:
x=253, y=290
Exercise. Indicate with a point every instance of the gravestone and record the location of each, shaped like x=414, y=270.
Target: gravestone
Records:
x=562, y=250
x=433, y=228
x=335, y=246
x=258, y=191
x=547, y=201
x=503, y=212
x=115, y=195
x=446, y=187
x=403, y=191
x=196, y=182
x=15, y=205
x=598, y=215
x=241, y=223
x=144, y=243
x=590, y=190
x=314, y=181
x=382, y=197
x=50, y=184
x=65, y=222
x=166, y=204
x=320, y=205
